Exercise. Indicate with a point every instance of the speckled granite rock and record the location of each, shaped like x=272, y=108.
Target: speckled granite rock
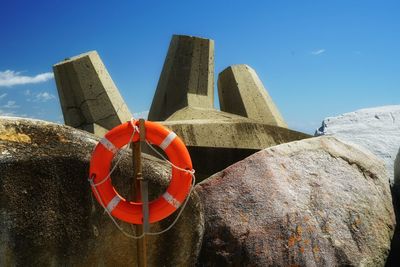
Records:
x=394, y=256
x=315, y=202
x=48, y=216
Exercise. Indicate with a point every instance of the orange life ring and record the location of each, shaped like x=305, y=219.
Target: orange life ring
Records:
x=160, y=208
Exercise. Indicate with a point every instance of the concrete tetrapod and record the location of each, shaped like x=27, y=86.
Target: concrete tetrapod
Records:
x=241, y=92
x=89, y=98
x=187, y=78
x=216, y=143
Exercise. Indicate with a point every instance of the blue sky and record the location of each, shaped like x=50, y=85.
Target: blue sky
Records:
x=316, y=58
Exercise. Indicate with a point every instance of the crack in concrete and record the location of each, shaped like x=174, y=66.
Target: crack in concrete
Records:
x=91, y=99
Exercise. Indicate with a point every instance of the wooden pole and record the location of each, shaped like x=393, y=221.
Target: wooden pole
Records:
x=136, y=193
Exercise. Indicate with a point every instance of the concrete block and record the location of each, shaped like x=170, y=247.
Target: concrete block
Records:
x=89, y=98
x=94, y=128
x=231, y=133
x=192, y=113
x=215, y=144
x=241, y=92
x=187, y=78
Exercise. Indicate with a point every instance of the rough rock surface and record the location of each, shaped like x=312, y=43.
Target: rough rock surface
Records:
x=48, y=216
x=376, y=129
x=314, y=202
x=394, y=256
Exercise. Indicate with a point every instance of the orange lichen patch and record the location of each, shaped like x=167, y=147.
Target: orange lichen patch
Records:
x=291, y=241
x=315, y=249
x=12, y=136
x=299, y=232
x=244, y=218
x=301, y=249
x=296, y=236
x=306, y=241
x=62, y=138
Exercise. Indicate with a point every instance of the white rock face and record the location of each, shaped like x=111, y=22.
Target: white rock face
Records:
x=376, y=129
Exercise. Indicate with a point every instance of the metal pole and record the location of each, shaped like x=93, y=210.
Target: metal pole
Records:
x=136, y=193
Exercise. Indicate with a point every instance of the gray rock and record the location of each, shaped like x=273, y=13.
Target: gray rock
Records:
x=48, y=216
x=376, y=129
x=314, y=202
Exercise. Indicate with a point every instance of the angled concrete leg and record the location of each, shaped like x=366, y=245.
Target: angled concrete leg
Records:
x=187, y=78
x=241, y=92
x=89, y=98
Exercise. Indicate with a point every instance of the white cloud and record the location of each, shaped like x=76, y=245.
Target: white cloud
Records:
x=43, y=97
x=7, y=113
x=10, y=78
x=318, y=52
x=10, y=104
x=13, y=113
x=39, y=97
x=3, y=96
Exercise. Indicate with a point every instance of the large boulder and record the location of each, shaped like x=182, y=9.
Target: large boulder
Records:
x=394, y=256
x=48, y=215
x=376, y=129
x=314, y=202
x=397, y=167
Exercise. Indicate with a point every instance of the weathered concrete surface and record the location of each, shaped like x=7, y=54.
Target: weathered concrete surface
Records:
x=231, y=133
x=193, y=113
x=95, y=129
x=241, y=92
x=214, y=143
x=315, y=202
x=187, y=78
x=89, y=98
x=376, y=129
x=48, y=216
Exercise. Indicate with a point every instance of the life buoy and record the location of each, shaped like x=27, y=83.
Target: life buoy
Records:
x=177, y=190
